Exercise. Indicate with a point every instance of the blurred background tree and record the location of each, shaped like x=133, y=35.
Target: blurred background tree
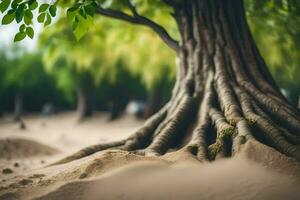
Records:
x=103, y=58
x=24, y=82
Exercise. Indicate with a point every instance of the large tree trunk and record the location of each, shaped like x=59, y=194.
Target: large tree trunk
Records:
x=224, y=95
x=85, y=97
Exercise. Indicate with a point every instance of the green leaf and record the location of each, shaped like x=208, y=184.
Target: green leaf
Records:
x=19, y=36
x=41, y=18
x=30, y=32
x=29, y=14
x=43, y=7
x=75, y=24
x=83, y=26
x=90, y=10
x=79, y=32
x=27, y=20
x=33, y=5
x=22, y=28
x=73, y=9
x=4, y=5
x=48, y=20
x=52, y=10
x=8, y=18
x=71, y=15
x=82, y=13
x=20, y=13
x=15, y=3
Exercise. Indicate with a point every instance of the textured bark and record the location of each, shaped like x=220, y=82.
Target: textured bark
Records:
x=224, y=95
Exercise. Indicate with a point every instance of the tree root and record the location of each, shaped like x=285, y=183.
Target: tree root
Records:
x=88, y=151
x=215, y=134
x=133, y=142
x=164, y=139
x=266, y=128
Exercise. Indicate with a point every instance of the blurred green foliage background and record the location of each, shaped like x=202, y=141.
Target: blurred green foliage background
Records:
x=118, y=62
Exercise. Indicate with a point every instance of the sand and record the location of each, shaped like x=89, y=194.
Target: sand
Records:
x=257, y=172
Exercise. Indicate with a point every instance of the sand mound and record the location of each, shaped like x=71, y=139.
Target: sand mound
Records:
x=227, y=179
x=11, y=148
x=270, y=158
x=40, y=180
x=258, y=172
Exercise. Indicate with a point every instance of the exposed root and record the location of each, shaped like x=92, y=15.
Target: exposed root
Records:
x=198, y=144
x=142, y=136
x=137, y=140
x=153, y=139
x=292, y=138
x=243, y=134
x=219, y=148
x=222, y=126
x=224, y=91
x=225, y=131
x=266, y=128
x=89, y=150
x=171, y=131
x=277, y=110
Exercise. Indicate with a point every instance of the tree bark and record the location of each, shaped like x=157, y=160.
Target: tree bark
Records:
x=224, y=95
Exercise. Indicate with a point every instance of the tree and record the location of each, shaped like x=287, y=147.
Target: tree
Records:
x=2, y=77
x=16, y=69
x=22, y=74
x=80, y=71
x=10, y=78
x=72, y=66
x=224, y=92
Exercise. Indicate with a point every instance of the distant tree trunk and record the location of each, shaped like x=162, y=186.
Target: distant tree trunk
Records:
x=118, y=105
x=18, y=107
x=85, y=97
x=1, y=110
x=119, y=100
x=116, y=110
x=155, y=101
x=224, y=95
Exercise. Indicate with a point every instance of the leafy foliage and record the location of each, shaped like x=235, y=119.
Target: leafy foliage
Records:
x=80, y=12
x=24, y=72
x=22, y=12
x=276, y=28
x=280, y=48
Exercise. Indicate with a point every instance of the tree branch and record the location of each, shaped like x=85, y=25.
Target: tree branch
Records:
x=140, y=20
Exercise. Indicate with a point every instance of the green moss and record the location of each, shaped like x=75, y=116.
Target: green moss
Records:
x=227, y=132
x=251, y=121
x=214, y=149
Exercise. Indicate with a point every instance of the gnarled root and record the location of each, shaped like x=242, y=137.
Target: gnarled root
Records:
x=217, y=133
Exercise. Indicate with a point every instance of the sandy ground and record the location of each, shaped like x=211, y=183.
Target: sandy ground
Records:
x=257, y=172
